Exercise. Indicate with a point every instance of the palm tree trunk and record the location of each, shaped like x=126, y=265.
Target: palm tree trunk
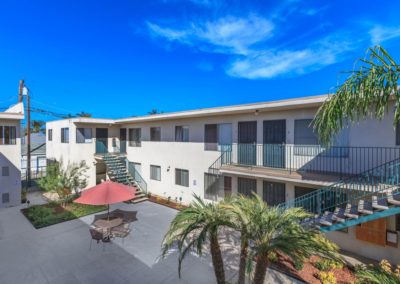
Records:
x=216, y=255
x=261, y=269
x=242, y=263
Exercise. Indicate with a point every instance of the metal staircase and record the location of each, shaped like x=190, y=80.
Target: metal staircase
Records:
x=212, y=182
x=117, y=171
x=370, y=195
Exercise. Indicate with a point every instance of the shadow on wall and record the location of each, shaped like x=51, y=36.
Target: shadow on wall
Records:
x=10, y=182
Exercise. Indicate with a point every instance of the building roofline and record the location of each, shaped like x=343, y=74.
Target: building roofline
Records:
x=87, y=120
x=311, y=101
x=286, y=104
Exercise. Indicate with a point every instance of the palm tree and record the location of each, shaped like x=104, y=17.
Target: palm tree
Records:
x=83, y=114
x=275, y=230
x=240, y=208
x=192, y=228
x=154, y=111
x=37, y=126
x=365, y=93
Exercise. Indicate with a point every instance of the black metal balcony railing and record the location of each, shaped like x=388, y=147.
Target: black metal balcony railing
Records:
x=308, y=158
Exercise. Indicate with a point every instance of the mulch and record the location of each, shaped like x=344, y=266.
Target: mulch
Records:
x=309, y=273
x=166, y=202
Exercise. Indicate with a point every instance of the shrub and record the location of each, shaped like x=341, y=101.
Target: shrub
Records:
x=298, y=265
x=327, y=277
x=381, y=274
x=327, y=264
x=273, y=256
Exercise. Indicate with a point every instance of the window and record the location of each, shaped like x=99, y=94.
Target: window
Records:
x=84, y=135
x=5, y=171
x=304, y=133
x=182, y=133
x=64, y=135
x=155, y=134
x=5, y=197
x=135, y=137
x=227, y=186
x=8, y=135
x=50, y=135
x=274, y=193
x=217, y=136
x=212, y=187
x=155, y=172
x=246, y=186
x=182, y=177
x=211, y=137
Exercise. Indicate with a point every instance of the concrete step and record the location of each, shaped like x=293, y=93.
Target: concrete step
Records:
x=141, y=199
x=379, y=204
x=365, y=207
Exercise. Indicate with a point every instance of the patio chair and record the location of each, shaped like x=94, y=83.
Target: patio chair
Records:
x=121, y=231
x=96, y=236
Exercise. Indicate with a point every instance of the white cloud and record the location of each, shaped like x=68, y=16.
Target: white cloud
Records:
x=269, y=63
x=380, y=34
x=169, y=34
x=225, y=35
x=255, y=52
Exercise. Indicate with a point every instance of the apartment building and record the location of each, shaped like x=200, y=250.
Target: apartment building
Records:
x=10, y=155
x=268, y=148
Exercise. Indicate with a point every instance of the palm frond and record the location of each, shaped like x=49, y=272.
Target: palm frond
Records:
x=365, y=93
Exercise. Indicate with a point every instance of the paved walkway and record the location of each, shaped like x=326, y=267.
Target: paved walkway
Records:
x=60, y=253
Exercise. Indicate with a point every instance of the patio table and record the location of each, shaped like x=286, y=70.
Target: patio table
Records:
x=107, y=224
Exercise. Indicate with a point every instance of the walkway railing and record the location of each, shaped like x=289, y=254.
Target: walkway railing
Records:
x=342, y=161
x=375, y=181
x=137, y=177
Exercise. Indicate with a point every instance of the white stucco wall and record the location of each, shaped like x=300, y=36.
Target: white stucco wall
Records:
x=191, y=156
x=10, y=156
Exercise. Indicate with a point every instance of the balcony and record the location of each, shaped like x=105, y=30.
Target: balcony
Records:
x=115, y=148
x=306, y=160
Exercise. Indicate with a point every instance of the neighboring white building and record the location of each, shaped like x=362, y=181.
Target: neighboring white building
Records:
x=272, y=151
x=10, y=155
x=38, y=155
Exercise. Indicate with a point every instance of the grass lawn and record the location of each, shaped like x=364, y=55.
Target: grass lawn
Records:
x=53, y=213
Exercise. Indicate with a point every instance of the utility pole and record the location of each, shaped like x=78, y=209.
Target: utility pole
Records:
x=20, y=91
x=23, y=90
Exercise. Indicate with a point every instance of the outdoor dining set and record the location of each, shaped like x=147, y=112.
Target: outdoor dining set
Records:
x=116, y=224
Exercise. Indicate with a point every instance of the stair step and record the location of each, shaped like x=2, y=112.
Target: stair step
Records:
x=351, y=211
x=326, y=219
x=393, y=197
x=379, y=204
x=365, y=207
x=339, y=215
x=137, y=200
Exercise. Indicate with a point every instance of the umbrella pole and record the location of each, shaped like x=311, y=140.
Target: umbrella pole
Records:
x=108, y=212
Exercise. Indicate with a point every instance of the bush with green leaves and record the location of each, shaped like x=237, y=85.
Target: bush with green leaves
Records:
x=64, y=181
x=382, y=274
x=327, y=264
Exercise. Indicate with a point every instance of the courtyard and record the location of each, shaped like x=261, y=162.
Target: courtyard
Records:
x=61, y=253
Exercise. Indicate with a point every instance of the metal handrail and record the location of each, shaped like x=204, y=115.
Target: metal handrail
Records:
x=336, y=160
x=138, y=178
x=375, y=181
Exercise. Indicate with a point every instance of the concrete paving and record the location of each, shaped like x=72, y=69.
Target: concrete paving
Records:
x=61, y=254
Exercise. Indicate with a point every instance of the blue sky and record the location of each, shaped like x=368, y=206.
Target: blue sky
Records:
x=123, y=58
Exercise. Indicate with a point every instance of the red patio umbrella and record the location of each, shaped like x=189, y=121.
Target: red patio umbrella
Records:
x=106, y=193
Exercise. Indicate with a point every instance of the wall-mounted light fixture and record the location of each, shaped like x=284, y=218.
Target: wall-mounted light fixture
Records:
x=169, y=167
x=256, y=112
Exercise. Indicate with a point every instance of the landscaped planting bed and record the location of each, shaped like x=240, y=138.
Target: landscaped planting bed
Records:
x=164, y=201
x=53, y=213
x=315, y=268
